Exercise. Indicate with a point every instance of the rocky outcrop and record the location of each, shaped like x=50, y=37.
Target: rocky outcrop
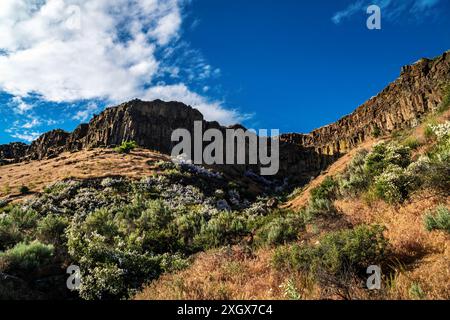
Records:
x=13, y=152
x=48, y=145
x=401, y=104
x=150, y=124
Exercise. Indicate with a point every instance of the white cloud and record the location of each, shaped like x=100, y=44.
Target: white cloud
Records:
x=211, y=110
x=20, y=106
x=167, y=27
x=392, y=9
x=26, y=135
x=83, y=115
x=347, y=12
x=32, y=123
x=75, y=50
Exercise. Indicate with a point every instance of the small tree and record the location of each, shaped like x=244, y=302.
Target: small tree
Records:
x=24, y=190
x=126, y=147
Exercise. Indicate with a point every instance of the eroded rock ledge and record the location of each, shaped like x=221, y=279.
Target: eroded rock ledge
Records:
x=401, y=104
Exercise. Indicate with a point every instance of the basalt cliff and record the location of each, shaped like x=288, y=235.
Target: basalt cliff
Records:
x=417, y=91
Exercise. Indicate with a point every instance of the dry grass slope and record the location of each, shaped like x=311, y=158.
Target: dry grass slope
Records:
x=36, y=175
x=423, y=273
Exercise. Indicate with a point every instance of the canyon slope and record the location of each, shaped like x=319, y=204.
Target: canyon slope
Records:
x=402, y=104
x=369, y=189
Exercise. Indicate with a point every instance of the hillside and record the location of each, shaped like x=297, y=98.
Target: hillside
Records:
x=370, y=189
x=415, y=263
x=86, y=164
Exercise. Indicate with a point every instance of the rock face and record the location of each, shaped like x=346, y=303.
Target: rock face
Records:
x=150, y=124
x=13, y=152
x=401, y=104
x=48, y=145
x=417, y=92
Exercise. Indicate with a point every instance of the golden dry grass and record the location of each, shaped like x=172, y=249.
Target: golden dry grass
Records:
x=231, y=273
x=419, y=257
x=225, y=274
x=425, y=255
x=36, y=175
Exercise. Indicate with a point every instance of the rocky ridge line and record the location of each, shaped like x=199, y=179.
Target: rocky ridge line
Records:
x=401, y=104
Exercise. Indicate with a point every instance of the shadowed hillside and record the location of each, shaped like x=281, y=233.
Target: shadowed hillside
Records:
x=370, y=189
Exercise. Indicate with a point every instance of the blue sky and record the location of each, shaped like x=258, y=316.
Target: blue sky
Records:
x=289, y=65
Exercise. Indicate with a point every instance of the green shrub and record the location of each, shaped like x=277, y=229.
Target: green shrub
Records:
x=188, y=225
x=281, y=229
x=412, y=143
x=24, y=219
x=438, y=219
x=290, y=290
x=318, y=207
x=51, y=229
x=355, y=178
x=376, y=131
x=24, y=190
x=126, y=147
x=437, y=176
x=114, y=273
x=223, y=228
x=165, y=165
x=157, y=231
x=109, y=269
x=10, y=233
x=386, y=154
x=136, y=242
x=392, y=185
x=3, y=203
x=337, y=252
x=416, y=292
x=101, y=222
x=26, y=258
x=16, y=224
x=326, y=190
x=56, y=188
x=445, y=104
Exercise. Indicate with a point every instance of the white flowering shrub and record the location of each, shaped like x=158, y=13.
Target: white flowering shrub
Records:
x=112, y=182
x=385, y=154
x=441, y=131
x=258, y=208
x=441, y=152
x=124, y=233
x=393, y=184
